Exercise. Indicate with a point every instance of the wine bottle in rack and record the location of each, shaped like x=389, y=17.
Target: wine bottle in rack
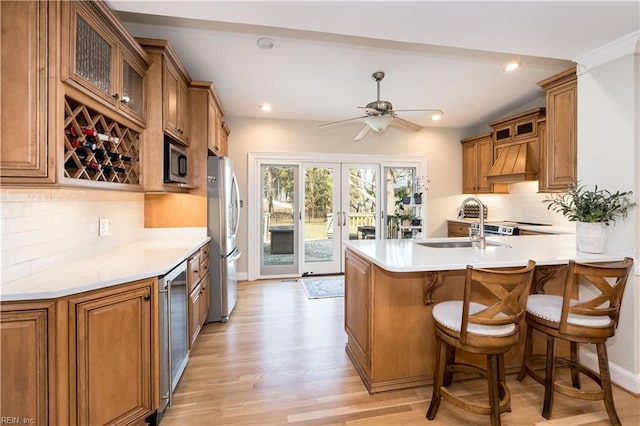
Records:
x=125, y=158
x=113, y=169
x=76, y=143
x=92, y=165
x=95, y=134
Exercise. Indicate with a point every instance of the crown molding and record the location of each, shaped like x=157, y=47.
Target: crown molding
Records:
x=627, y=45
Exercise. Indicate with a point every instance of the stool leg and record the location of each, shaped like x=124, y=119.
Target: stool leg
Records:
x=575, y=374
x=549, y=377
x=438, y=378
x=502, y=378
x=603, y=363
x=528, y=347
x=494, y=396
x=451, y=358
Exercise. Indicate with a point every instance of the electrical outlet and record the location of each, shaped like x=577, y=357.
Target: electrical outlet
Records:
x=104, y=227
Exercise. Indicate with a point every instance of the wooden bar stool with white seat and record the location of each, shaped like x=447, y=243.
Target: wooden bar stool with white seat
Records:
x=591, y=320
x=475, y=326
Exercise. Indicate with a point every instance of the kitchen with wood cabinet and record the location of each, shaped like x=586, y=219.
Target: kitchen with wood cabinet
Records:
x=47, y=167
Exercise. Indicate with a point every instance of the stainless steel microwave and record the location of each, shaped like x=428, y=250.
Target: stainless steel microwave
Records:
x=175, y=163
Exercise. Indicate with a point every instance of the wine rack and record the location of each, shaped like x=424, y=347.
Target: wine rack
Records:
x=98, y=148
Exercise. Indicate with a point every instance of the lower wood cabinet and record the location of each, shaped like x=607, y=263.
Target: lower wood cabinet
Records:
x=25, y=364
x=199, y=292
x=457, y=229
x=110, y=348
x=85, y=359
x=357, y=321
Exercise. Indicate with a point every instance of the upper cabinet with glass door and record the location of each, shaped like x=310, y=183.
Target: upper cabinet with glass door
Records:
x=101, y=59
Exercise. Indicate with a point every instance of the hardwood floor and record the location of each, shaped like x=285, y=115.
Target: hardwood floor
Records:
x=281, y=360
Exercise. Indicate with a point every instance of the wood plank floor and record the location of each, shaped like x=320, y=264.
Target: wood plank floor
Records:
x=281, y=360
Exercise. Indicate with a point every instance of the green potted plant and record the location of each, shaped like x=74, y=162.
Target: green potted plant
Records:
x=592, y=209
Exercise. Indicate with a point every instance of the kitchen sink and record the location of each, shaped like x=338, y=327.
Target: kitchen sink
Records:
x=459, y=244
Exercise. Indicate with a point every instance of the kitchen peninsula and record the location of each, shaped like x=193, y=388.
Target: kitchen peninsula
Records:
x=391, y=286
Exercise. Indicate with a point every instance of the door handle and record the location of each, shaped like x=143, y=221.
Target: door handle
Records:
x=344, y=218
x=339, y=218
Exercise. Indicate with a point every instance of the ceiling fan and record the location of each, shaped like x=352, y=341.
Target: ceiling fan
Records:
x=379, y=114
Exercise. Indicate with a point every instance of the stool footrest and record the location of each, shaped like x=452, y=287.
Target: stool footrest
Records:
x=475, y=407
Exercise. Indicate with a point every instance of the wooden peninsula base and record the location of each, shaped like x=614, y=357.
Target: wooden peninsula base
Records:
x=389, y=327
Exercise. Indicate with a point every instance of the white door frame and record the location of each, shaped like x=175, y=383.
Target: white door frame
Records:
x=254, y=190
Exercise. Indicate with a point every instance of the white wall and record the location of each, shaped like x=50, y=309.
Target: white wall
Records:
x=43, y=227
x=609, y=155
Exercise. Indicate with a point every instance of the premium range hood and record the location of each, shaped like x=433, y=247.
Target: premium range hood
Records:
x=515, y=163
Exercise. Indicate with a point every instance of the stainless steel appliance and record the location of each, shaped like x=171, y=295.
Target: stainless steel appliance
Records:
x=173, y=332
x=498, y=228
x=223, y=212
x=175, y=163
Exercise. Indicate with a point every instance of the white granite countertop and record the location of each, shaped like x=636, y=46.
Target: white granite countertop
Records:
x=409, y=256
x=154, y=255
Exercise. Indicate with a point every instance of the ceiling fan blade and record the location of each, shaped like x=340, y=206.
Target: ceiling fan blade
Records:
x=324, y=126
x=439, y=111
x=362, y=133
x=406, y=124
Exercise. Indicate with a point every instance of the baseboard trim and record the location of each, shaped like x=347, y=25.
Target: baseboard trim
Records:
x=242, y=276
x=620, y=376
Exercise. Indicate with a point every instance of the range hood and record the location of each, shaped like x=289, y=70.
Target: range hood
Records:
x=515, y=163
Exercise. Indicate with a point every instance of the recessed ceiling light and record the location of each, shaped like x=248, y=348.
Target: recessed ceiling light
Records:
x=265, y=107
x=512, y=66
x=265, y=43
x=436, y=117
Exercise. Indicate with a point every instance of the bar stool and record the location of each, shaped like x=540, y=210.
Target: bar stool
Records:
x=585, y=321
x=489, y=329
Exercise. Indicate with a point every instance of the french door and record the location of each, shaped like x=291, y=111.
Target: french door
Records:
x=341, y=203
x=307, y=209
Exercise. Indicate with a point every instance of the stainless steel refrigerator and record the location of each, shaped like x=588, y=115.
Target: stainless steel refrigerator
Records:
x=223, y=215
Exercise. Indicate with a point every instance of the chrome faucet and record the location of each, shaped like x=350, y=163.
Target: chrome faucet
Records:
x=480, y=241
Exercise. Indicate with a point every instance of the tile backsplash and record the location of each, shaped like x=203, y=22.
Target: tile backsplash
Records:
x=523, y=203
x=42, y=227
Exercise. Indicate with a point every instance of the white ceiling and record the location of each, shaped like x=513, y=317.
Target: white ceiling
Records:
x=444, y=55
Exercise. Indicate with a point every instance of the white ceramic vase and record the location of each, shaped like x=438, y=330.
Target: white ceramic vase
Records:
x=591, y=237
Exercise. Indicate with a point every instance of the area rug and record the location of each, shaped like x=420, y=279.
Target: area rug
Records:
x=321, y=288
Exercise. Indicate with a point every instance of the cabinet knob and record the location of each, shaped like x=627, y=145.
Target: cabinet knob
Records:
x=115, y=96
x=147, y=297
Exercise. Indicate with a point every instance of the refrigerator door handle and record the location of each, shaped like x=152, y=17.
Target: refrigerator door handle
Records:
x=233, y=256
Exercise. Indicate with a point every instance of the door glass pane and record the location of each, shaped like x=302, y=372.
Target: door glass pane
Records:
x=362, y=202
x=93, y=56
x=132, y=88
x=398, y=182
x=278, y=239
x=319, y=218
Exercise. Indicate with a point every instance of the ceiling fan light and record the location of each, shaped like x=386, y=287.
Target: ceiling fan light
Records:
x=378, y=122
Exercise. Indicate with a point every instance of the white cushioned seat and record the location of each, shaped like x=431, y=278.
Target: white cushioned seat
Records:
x=449, y=314
x=549, y=308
